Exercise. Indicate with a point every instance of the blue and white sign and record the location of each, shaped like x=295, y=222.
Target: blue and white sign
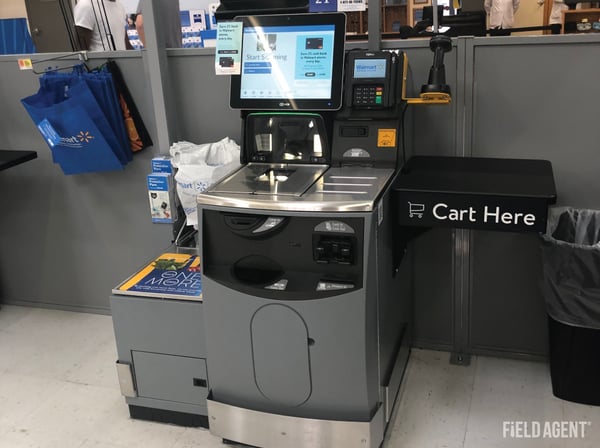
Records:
x=337, y=5
x=229, y=48
x=323, y=5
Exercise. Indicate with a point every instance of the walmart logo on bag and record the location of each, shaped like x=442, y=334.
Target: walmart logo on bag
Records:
x=77, y=141
x=53, y=139
x=85, y=136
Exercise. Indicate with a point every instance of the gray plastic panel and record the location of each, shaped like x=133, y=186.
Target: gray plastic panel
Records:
x=173, y=378
x=174, y=327
x=289, y=350
x=509, y=313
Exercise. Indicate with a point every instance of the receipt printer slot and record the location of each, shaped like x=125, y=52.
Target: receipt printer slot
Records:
x=354, y=131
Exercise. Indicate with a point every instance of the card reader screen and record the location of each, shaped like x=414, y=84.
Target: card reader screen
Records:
x=369, y=68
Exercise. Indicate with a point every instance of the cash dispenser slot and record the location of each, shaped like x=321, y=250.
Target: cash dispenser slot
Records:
x=333, y=249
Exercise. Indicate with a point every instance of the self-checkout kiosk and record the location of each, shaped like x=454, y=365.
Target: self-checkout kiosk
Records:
x=303, y=333
x=307, y=310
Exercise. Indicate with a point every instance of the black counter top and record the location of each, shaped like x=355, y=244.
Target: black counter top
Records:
x=10, y=158
x=476, y=175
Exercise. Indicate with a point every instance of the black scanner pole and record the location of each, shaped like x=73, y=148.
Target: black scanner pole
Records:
x=439, y=44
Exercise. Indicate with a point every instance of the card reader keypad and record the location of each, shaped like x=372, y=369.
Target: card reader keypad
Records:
x=368, y=95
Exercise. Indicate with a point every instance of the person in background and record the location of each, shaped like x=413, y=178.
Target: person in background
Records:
x=167, y=12
x=131, y=21
x=501, y=14
x=558, y=6
x=101, y=24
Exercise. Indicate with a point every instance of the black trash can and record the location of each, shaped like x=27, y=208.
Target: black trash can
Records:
x=571, y=289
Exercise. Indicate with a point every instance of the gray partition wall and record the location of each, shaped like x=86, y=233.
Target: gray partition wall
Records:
x=202, y=97
x=67, y=240
x=531, y=98
x=433, y=130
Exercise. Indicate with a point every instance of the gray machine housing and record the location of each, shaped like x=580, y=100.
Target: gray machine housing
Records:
x=307, y=307
x=331, y=356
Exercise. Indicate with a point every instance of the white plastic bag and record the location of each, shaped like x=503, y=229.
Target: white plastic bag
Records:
x=199, y=167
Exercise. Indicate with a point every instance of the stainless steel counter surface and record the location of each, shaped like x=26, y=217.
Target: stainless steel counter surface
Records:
x=345, y=189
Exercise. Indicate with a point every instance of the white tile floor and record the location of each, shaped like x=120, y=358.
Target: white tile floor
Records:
x=58, y=389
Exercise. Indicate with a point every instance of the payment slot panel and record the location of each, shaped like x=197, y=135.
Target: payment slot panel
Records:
x=371, y=79
x=366, y=128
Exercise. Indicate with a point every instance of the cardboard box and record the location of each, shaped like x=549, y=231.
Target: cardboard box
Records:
x=209, y=38
x=161, y=193
x=162, y=165
x=198, y=19
x=212, y=21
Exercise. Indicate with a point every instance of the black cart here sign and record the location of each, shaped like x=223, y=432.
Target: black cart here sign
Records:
x=482, y=212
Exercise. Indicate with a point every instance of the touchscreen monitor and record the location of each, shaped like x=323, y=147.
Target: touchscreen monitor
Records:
x=290, y=62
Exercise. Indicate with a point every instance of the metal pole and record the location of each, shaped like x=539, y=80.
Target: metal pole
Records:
x=374, y=23
x=155, y=62
x=436, y=25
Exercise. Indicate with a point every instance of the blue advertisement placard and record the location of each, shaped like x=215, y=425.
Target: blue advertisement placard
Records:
x=323, y=6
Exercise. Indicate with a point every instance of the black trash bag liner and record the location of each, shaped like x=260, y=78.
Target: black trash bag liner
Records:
x=571, y=267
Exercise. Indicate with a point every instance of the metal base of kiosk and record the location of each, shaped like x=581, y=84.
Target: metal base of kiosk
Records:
x=269, y=430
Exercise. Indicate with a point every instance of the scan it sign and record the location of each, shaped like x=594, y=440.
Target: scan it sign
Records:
x=513, y=214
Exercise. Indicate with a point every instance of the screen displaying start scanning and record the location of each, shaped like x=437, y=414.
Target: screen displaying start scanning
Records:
x=291, y=62
x=287, y=62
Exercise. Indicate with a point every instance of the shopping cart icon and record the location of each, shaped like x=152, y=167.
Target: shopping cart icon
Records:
x=415, y=210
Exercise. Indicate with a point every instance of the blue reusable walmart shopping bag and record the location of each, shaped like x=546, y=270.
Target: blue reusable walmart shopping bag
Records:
x=102, y=86
x=55, y=87
x=75, y=125
x=108, y=115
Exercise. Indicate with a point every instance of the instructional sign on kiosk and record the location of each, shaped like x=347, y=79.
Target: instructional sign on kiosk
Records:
x=229, y=48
